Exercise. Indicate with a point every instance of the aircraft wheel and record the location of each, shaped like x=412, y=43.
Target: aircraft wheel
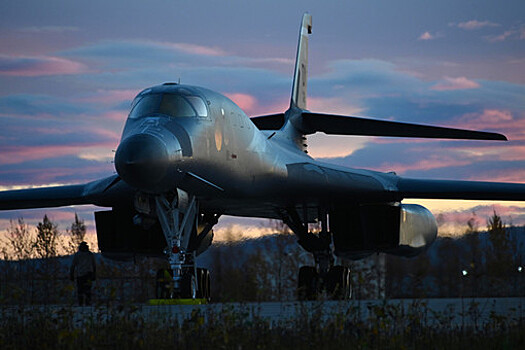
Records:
x=308, y=283
x=164, y=284
x=207, y=279
x=338, y=283
x=188, y=286
x=200, y=283
x=203, y=281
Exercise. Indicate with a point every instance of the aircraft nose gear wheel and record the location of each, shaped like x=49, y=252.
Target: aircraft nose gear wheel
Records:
x=203, y=282
x=338, y=283
x=188, y=286
x=179, y=216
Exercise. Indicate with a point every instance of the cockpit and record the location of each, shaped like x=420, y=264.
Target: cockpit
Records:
x=173, y=105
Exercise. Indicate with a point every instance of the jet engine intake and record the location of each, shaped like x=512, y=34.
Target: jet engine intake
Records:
x=398, y=229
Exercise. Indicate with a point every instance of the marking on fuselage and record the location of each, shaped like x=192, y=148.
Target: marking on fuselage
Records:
x=218, y=136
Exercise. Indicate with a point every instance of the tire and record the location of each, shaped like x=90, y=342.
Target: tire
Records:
x=207, y=279
x=308, y=283
x=203, y=281
x=337, y=283
x=188, y=286
x=164, y=284
x=200, y=283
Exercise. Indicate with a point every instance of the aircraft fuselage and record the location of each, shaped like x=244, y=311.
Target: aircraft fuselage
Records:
x=198, y=140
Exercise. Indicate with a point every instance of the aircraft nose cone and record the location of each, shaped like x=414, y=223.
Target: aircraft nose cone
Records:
x=142, y=160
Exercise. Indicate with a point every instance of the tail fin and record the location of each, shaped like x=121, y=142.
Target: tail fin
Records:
x=300, y=78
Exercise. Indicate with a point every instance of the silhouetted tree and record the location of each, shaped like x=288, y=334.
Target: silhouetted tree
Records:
x=500, y=258
x=46, y=239
x=77, y=233
x=20, y=241
x=475, y=257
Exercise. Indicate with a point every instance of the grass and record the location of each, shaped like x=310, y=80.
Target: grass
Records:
x=124, y=327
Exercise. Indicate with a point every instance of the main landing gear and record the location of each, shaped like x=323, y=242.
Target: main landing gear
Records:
x=324, y=277
x=188, y=233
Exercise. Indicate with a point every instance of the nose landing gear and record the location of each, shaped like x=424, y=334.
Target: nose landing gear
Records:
x=179, y=218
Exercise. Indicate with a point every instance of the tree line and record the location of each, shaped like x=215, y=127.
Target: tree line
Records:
x=20, y=242
x=265, y=269
x=475, y=264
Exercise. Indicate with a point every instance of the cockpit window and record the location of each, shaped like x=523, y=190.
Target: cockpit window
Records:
x=169, y=104
x=144, y=106
x=175, y=106
x=199, y=105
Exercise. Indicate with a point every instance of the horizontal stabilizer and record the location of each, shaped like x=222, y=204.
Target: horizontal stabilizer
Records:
x=310, y=123
x=269, y=122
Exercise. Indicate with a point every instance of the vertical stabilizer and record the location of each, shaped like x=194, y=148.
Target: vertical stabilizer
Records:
x=300, y=78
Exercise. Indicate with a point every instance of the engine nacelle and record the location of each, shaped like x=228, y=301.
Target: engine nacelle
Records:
x=399, y=229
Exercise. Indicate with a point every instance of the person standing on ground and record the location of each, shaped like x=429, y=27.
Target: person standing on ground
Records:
x=84, y=269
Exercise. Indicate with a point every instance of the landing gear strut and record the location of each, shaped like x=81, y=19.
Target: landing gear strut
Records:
x=179, y=218
x=324, y=276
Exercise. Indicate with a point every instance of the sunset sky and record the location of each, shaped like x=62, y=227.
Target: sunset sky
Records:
x=69, y=70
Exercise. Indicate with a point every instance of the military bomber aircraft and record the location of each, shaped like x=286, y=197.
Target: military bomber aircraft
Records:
x=189, y=155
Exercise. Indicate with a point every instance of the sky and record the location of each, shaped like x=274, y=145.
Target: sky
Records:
x=69, y=70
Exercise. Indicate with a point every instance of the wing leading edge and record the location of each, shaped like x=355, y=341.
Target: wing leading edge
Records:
x=454, y=189
x=348, y=125
x=102, y=192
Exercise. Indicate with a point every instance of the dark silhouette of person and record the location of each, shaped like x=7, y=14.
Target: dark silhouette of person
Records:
x=84, y=269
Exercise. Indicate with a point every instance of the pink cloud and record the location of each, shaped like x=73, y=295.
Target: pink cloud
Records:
x=50, y=175
x=119, y=116
x=196, y=49
x=335, y=105
x=497, y=120
x=502, y=37
x=460, y=83
x=18, y=154
x=245, y=101
x=32, y=66
x=433, y=162
x=426, y=36
x=471, y=25
x=488, y=116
